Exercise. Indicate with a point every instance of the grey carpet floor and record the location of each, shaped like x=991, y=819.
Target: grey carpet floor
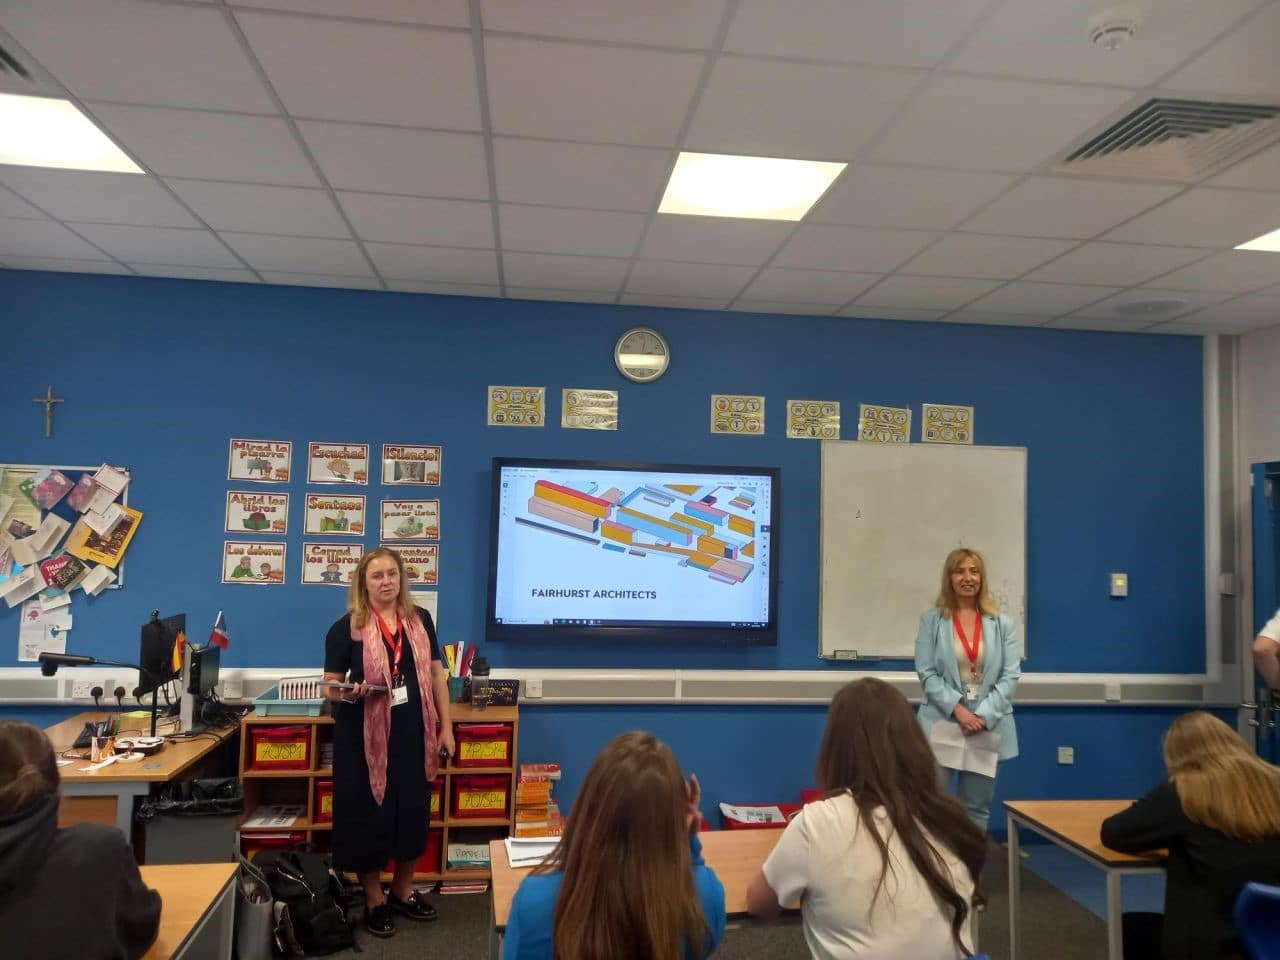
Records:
x=1054, y=927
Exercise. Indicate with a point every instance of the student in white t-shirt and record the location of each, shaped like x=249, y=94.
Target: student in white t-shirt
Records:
x=886, y=866
x=1266, y=652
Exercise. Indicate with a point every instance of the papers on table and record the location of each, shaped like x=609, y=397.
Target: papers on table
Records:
x=978, y=753
x=753, y=814
x=274, y=815
x=530, y=851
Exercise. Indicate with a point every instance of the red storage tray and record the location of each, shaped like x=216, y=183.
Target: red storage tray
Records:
x=429, y=862
x=437, y=798
x=324, y=802
x=252, y=844
x=279, y=748
x=480, y=796
x=483, y=744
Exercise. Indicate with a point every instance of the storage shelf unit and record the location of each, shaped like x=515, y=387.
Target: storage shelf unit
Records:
x=299, y=786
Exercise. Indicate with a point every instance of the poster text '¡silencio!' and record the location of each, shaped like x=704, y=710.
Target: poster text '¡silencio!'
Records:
x=408, y=453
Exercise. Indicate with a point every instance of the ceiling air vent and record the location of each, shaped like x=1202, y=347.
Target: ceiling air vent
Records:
x=1183, y=140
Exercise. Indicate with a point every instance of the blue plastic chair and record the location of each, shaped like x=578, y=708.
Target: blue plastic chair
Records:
x=980, y=956
x=1258, y=920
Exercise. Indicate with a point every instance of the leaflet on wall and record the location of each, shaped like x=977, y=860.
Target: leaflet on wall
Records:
x=257, y=562
x=409, y=463
x=333, y=564
x=878, y=424
x=97, y=580
x=264, y=461
x=42, y=542
x=49, y=485
x=946, y=423
x=20, y=507
x=109, y=550
x=41, y=631
x=813, y=419
x=339, y=514
x=250, y=511
x=79, y=496
x=6, y=502
x=410, y=520
x=428, y=600
x=421, y=562
x=63, y=572
x=112, y=478
x=737, y=414
x=103, y=523
x=22, y=586
x=582, y=409
x=337, y=462
x=517, y=406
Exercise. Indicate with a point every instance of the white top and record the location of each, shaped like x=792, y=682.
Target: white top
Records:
x=962, y=657
x=827, y=857
x=1272, y=630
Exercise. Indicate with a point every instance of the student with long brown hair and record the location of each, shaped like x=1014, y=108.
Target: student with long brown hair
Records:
x=627, y=881
x=1218, y=815
x=887, y=864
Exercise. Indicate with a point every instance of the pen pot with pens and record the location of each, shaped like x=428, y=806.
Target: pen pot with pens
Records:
x=468, y=675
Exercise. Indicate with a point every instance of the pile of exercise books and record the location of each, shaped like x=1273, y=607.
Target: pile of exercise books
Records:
x=537, y=814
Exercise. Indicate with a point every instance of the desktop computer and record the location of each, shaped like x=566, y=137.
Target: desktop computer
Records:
x=199, y=677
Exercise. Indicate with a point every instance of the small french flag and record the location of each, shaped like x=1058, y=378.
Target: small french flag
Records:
x=219, y=636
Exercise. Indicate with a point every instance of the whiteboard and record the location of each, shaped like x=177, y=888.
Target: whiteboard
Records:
x=890, y=515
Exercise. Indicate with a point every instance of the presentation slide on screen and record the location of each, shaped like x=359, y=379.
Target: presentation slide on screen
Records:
x=622, y=547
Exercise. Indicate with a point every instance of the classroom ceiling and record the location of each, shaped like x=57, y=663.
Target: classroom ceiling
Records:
x=519, y=148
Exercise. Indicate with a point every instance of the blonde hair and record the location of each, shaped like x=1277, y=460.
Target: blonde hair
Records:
x=28, y=769
x=947, y=595
x=358, y=593
x=1221, y=783
x=628, y=886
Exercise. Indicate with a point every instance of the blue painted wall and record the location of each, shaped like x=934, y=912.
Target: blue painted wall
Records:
x=159, y=374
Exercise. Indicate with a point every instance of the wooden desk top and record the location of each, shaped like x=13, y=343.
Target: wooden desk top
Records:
x=1077, y=824
x=188, y=891
x=172, y=759
x=735, y=855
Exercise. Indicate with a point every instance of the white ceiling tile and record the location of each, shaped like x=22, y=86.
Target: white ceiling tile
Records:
x=914, y=33
x=785, y=307
x=986, y=124
x=133, y=51
x=1254, y=310
x=563, y=273
x=925, y=293
x=797, y=110
x=673, y=301
x=159, y=245
x=571, y=91
x=445, y=289
x=12, y=205
x=1242, y=62
x=978, y=255
x=380, y=73
x=1041, y=299
x=1260, y=171
x=424, y=163
x=1108, y=325
x=210, y=146
x=1116, y=306
x=688, y=279
x=448, y=264
x=994, y=319
x=713, y=239
x=1048, y=39
x=1114, y=264
x=446, y=223
x=1066, y=207
x=226, y=274
x=63, y=266
x=561, y=230
x=1233, y=271
x=98, y=197
x=659, y=23
x=580, y=175
x=292, y=211
x=44, y=238
x=865, y=249
x=570, y=296
x=1179, y=328
x=891, y=313
x=925, y=199
x=435, y=13
x=299, y=254
x=809, y=286
x=285, y=279
x=1205, y=217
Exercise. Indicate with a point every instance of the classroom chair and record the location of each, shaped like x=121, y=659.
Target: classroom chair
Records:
x=1258, y=920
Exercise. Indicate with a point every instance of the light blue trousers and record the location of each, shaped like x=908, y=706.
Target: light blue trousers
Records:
x=973, y=790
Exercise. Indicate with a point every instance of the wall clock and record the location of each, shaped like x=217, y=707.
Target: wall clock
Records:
x=642, y=355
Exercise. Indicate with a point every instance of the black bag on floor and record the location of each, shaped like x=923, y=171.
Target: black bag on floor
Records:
x=309, y=917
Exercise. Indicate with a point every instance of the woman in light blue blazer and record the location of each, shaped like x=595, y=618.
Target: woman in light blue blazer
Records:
x=967, y=658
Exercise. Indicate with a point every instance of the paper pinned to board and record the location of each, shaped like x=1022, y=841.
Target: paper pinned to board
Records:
x=22, y=586
x=97, y=580
x=978, y=753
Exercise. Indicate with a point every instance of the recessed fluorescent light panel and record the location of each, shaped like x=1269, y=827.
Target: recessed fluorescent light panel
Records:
x=1270, y=242
x=44, y=132
x=756, y=188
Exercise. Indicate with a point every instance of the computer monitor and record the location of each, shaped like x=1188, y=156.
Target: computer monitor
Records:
x=203, y=672
x=155, y=650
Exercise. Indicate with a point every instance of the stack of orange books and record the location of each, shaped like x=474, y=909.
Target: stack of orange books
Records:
x=537, y=814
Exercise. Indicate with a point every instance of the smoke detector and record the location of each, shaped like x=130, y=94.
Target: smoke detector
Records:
x=1111, y=29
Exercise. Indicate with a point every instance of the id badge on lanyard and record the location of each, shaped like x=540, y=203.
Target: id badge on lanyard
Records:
x=399, y=692
x=971, y=653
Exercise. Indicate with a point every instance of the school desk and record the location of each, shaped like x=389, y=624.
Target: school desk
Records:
x=197, y=914
x=1074, y=825
x=107, y=795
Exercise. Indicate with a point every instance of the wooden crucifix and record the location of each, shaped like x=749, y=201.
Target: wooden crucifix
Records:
x=48, y=400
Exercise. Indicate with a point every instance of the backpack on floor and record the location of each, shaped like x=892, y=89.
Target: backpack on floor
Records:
x=310, y=918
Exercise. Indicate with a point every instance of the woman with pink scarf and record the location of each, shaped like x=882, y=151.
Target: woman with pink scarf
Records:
x=390, y=727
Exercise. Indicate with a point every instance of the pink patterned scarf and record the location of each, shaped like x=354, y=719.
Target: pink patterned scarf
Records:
x=377, y=706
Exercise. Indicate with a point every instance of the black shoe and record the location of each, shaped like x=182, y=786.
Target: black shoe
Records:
x=379, y=920
x=415, y=907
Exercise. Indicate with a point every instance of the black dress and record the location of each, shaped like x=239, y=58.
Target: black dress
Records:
x=366, y=835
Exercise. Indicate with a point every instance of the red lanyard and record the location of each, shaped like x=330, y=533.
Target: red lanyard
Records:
x=970, y=651
x=393, y=641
